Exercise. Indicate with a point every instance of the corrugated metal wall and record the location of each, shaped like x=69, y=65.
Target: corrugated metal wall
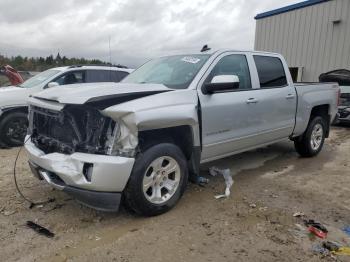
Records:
x=309, y=37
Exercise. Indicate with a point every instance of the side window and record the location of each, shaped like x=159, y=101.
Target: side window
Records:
x=270, y=71
x=233, y=65
x=74, y=77
x=94, y=76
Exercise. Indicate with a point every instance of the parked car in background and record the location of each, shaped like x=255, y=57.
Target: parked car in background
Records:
x=141, y=141
x=13, y=99
x=344, y=106
x=13, y=76
x=342, y=77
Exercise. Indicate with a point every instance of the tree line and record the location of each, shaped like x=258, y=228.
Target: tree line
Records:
x=21, y=63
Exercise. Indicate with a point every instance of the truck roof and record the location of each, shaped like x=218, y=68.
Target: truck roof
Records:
x=94, y=67
x=219, y=51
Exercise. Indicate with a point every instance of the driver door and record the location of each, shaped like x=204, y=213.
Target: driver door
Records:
x=230, y=119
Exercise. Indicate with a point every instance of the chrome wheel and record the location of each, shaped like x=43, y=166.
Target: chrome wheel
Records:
x=316, y=137
x=161, y=179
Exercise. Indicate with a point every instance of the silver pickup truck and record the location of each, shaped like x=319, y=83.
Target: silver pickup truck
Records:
x=141, y=140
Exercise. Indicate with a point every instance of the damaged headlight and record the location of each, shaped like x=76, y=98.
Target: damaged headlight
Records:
x=122, y=142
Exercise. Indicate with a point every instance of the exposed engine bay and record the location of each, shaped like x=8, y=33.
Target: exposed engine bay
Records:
x=73, y=129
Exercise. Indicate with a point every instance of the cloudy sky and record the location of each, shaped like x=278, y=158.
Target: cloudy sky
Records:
x=138, y=29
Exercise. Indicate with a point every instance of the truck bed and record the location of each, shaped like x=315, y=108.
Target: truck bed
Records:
x=310, y=95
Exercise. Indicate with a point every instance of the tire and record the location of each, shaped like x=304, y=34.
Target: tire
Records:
x=306, y=145
x=13, y=129
x=150, y=179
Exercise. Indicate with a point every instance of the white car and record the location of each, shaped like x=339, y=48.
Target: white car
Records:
x=13, y=99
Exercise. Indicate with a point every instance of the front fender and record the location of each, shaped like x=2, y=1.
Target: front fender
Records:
x=176, y=108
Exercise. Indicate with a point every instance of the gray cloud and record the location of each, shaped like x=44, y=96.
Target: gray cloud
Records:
x=31, y=11
x=138, y=29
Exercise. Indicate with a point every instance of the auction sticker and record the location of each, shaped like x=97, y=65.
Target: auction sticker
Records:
x=190, y=59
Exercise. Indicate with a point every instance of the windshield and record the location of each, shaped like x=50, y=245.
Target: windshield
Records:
x=172, y=71
x=39, y=78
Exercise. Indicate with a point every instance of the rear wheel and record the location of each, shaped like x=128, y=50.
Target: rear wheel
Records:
x=311, y=142
x=158, y=180
x=13, y=129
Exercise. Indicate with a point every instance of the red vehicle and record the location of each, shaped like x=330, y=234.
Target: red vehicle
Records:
x=14, y=77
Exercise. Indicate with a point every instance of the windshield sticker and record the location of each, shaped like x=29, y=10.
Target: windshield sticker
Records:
x=189, y=59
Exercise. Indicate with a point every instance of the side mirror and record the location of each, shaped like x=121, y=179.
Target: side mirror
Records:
x=52, y=84
x=221, y=83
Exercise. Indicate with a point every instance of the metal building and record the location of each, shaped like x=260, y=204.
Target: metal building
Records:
x=313, y=36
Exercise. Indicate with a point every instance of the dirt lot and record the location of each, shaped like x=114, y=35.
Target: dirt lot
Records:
x=200, y=228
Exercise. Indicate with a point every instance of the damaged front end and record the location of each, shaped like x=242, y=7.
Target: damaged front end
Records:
x=78, y=150
x=79, y=128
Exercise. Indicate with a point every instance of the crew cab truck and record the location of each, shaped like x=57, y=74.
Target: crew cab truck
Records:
x=141, y=140
x=13, y=99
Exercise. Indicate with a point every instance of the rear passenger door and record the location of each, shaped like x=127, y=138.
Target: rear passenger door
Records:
x=277, y=99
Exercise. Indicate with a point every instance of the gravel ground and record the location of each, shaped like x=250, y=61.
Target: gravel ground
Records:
x=255, y=224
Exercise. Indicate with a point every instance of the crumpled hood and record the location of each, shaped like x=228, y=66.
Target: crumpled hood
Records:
x=84, y=93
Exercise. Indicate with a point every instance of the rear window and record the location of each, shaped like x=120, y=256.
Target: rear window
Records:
x=94, y=76
x=270, y=71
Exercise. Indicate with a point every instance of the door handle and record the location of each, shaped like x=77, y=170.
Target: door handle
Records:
x=290, y=96
x=252, y=100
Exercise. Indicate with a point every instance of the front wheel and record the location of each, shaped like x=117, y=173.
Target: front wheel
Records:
x=311, y=142
x=158, y=180
x=13, y=129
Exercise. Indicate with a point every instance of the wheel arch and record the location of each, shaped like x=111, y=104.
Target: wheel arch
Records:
x=322, y=111
x=182, y=136
x=8, y=110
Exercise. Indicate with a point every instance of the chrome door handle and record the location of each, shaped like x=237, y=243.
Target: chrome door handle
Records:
x=290, y=96
x=252, y=101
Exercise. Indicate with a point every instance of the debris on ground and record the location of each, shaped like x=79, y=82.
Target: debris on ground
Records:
x=202, y=180
x=347, y=230
x=342, y=251
x=316, y=228
x=298, y=214
x=318, y=249
x=317, y=232
x=40, y=229
x=331, y=246
x=226, y=173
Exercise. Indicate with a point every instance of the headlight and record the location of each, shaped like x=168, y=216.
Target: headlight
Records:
x=122, y=142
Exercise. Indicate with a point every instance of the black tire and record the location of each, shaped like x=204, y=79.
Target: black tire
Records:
x=134, y=196
x=303, y=144
x=13, y=129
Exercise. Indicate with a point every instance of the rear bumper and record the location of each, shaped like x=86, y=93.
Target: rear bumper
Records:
x=95, y=180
